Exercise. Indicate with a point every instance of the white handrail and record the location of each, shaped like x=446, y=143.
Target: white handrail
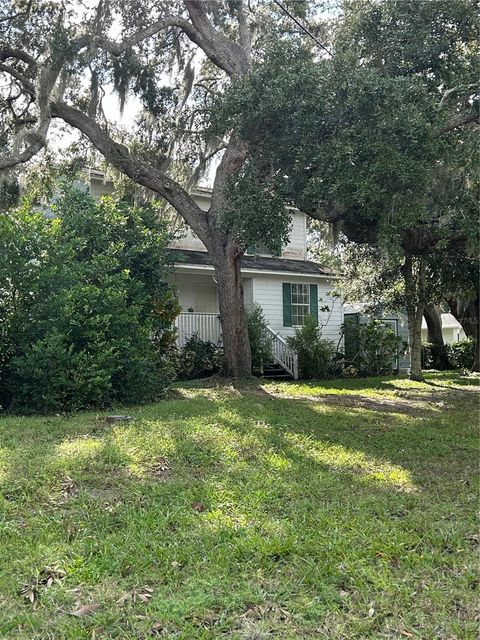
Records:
x=282, y=353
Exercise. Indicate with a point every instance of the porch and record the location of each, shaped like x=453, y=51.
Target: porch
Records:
x=207, y=327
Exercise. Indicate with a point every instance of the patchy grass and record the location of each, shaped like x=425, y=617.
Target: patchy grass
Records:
x=331, y=510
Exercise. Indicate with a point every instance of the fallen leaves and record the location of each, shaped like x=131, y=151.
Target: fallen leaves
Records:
x=198, y=507
x=142, y=594
x=159, y=629
x=45, y=579
x=51, y=575
x=85, y=610
x=161, y=470
x=69, y=488
x=29, y=593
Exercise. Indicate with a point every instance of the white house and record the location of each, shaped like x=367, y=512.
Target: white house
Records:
x=288, y=287
x=452, y=330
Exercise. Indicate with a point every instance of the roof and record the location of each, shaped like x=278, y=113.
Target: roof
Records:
x=448, y=322
x=256, y=263
x=354, y=307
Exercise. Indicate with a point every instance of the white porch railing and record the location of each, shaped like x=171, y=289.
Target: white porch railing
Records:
x=206, y=325
x=283, y=354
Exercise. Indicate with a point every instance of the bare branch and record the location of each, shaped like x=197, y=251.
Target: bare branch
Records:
x=117, y=48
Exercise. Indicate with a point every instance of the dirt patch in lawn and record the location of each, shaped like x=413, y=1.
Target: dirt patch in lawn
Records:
x=363, y=402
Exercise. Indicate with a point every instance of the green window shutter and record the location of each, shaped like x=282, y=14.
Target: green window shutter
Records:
x=287, y=304
x=314, y=302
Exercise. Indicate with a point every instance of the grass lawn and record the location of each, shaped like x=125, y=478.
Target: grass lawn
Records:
x=331, y=510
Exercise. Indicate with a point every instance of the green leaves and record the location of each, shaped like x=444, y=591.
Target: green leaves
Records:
x=86, y=312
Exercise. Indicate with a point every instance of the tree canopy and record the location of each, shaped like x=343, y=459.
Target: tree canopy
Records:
x=381, y=139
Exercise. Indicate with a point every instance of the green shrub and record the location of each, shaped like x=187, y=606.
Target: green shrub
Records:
x=316, y=356
x=462, y=354
x=198, y=359
x=260, y=345
x=85, y=313
x=372, y=347
x=436, y=356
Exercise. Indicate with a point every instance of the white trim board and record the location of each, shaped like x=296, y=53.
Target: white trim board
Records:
x=185, y=268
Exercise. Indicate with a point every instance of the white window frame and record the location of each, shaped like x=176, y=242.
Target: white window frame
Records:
x=305, y=305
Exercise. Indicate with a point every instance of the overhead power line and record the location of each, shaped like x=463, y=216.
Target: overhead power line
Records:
x=302, y=27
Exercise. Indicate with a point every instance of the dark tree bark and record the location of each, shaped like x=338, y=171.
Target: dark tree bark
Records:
x=232, y=312
x=433, y=318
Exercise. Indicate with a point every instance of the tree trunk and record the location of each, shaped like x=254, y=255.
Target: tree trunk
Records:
x=433, y=318
x=414, y=314
x=415, y=302
x=236, y=345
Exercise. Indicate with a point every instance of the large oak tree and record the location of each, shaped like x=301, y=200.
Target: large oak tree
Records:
x=378, y=140
x=57, y=61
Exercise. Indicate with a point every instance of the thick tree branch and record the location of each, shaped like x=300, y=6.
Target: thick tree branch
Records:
x=117, y=48
x=33, y=142
x=10, y=52
x=140, y=172
x=28, y=86
x=232, y=160
x=224, y=53
x=460, y=120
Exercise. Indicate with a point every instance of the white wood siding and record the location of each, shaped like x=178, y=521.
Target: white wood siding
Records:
x=297, y=246
x=268, y=293
x=99, y=188
x=295, y=249
x=248, y=293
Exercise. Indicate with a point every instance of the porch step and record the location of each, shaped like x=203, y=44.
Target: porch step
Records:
x=276, y=371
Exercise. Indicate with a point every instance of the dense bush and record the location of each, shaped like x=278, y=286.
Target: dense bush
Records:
x=371, y=347
x=198, y=359
x=85, y=314
x=462, y=354
x=436, y=356
x=458, y=355
x=317, y=357
x=260, y=345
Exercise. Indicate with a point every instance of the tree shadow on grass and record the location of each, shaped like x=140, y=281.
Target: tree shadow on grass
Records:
x=272, y=495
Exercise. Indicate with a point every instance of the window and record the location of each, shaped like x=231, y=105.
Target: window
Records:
x=300, y=303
